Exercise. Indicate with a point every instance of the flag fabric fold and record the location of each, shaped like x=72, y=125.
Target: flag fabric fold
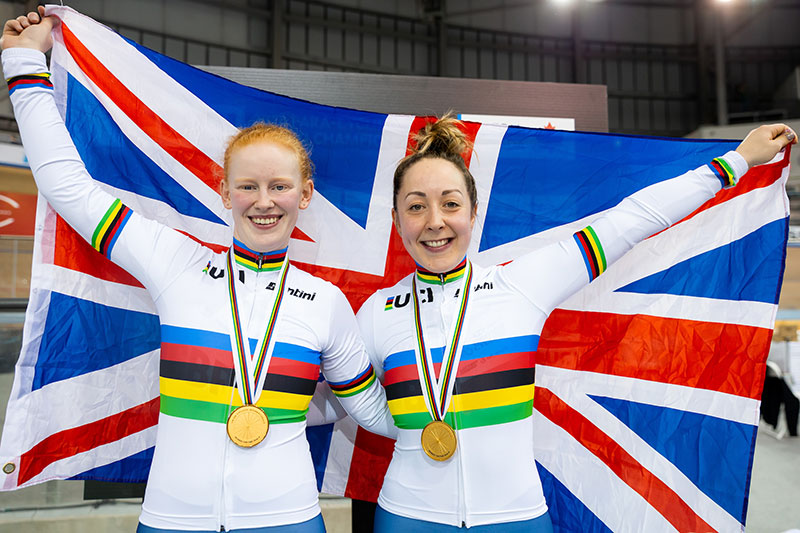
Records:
x=647, y=382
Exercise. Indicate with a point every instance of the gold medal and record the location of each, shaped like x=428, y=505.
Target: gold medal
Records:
x=247, y=426
x=439, y=440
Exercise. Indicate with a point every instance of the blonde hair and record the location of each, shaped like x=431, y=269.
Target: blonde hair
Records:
x=440, y=139
x=263, y=132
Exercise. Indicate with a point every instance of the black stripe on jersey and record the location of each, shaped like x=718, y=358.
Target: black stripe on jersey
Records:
x=403, y=389
x=292, y=384
x=494, y=381
x=214, y=375
x=464, y=385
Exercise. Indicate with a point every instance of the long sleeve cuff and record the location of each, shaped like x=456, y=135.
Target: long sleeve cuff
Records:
x=21, y=61
x=25, y=69
x=729, y=168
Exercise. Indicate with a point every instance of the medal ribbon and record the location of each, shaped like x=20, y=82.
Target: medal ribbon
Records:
x=444, y=384
x=250, y=386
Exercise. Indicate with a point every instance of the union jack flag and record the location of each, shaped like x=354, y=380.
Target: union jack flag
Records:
x=647, y=382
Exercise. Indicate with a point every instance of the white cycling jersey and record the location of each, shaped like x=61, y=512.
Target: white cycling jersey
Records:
x=199, y=479
x=492, y=478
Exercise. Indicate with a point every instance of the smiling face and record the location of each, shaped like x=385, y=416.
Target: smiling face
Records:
x=434, y=215
x=265, y=190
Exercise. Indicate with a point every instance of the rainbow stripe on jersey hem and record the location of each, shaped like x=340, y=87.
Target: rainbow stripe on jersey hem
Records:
x=723, y=171
x=358, y=384
x=108, y=230
x=426, y=276
x=592, y=251
x=255, y=261
x=29, y=81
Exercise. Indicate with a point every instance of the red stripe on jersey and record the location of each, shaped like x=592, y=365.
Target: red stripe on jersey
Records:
x=86, y=437
x=111, y=233
x=200, y=355
x=496, y=363
x=400, y=373
x=667, y=350
x=472, y=367
x=291, y=367
x=73, y=252
x=188, y=155
x=651, y=488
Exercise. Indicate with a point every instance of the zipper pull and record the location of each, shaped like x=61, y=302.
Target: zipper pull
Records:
x=260, y=261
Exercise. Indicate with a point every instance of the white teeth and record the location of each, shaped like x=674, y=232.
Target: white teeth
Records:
x=436, y=244
x=265, y=221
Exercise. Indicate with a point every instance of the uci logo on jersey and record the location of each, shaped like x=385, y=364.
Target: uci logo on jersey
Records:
x=402, y=300
x=395, y=302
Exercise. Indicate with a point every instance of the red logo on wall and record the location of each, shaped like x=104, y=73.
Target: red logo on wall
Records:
x=17, y=214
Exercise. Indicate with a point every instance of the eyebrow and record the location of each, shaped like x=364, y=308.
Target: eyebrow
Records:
x=444, y=193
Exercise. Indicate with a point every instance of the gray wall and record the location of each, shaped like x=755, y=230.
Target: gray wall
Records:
x=656, y=61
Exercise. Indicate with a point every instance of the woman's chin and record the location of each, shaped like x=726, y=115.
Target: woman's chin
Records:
x=439, y=264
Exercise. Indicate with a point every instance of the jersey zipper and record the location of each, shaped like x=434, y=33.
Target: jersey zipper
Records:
x=462, y=504
x=221, y=517
x=228, y=443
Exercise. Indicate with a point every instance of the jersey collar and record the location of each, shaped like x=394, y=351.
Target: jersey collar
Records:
x=426, y=276
x=257, y=261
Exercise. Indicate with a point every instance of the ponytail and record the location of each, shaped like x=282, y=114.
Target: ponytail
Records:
x=439, y=139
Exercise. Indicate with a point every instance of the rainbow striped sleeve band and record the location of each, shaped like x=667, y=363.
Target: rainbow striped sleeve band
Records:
x=592, y=251
x=108, y=230
x=723, y=171
x=360, y=383
x=29, y=81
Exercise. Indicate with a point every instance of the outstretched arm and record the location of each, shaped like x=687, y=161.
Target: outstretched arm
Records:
x=550, y=275
x=102, y=219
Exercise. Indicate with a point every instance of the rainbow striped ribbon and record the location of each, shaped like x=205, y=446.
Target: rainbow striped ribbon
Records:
x=251, y=379
x=444, y=384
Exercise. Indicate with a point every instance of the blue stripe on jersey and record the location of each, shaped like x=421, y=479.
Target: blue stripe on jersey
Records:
x=199, y=337
x=353, y=380
x=73, y=324
x=296, y=353
x=728, y=280
x=683, y=439
x=130, y=169
x=586, y=261
x=603, y=168
x=195, y=337
x=126, y=217
x=525, y=343
x=354, y=147
x=221, y=341
x=719, y=176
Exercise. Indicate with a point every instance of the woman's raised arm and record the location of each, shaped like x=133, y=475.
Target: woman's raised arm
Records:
x=103, y=220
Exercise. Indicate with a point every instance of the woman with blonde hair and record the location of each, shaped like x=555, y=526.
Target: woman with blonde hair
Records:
x=457, y=362
x=241, y=352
